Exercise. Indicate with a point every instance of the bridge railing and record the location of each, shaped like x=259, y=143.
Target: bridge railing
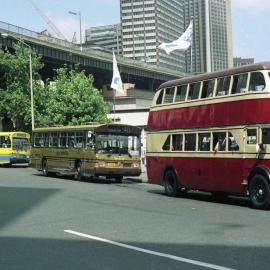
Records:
x=18, y=32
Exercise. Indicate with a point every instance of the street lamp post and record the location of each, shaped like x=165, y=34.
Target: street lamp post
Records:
x=5, y=35
x=80, y=20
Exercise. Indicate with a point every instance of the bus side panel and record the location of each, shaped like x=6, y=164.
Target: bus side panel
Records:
x=209, y=174
x=211, y=115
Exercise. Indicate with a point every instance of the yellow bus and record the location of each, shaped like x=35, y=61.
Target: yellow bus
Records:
x=14, y=148
x=109, y=150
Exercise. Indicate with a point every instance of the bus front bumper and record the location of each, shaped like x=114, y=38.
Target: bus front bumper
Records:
x=117, y=172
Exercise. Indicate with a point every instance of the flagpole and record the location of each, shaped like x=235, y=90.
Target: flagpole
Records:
x=114, y=93
x=191, y=46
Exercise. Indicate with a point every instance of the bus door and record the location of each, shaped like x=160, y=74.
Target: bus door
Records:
x=227, y=161
x=204, y=161
x=251, y=143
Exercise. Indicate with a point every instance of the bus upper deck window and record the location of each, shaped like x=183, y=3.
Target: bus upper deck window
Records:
x=160, y=97
x=223, y=86
x=169, y=93
x=194, y=90
x=208, y=88
x=257, y=82
x=239, y=83
x=181, y=93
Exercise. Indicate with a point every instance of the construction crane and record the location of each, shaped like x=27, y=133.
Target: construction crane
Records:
x=48, y=21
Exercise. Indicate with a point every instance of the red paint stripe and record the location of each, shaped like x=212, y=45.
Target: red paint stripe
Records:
x=221, y=114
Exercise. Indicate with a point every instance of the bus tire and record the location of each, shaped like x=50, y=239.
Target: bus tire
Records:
x=78, y=171
x=259, y=192
x=171, y=184
x=45, y=170
x=119, y=179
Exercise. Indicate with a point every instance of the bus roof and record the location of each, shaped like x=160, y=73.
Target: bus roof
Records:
x=222, y=73
x=18, y=134
x=112, y=127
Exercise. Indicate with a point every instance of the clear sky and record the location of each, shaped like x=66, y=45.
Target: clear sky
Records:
x=250, y=20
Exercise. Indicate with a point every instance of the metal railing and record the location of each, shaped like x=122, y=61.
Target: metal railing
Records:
x=23, y=33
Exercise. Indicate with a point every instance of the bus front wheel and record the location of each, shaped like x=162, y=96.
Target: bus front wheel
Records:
x=119, y=179
x=259, y=192
x=171, y=184
x=45, y=170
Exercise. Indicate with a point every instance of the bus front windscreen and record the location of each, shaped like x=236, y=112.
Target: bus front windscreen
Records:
x=118, y=144
x=20, y=144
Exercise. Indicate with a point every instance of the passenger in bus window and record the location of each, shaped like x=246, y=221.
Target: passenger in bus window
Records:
x=219, y=141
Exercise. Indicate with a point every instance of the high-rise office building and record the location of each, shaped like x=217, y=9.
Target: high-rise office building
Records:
x=212, y=35
x=148, y=23
x=106, y=37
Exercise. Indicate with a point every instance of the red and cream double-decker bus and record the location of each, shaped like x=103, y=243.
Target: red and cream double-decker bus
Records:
x=211, y=132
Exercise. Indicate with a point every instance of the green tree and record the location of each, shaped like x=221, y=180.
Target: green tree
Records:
x=73, y=100
x=15, y=102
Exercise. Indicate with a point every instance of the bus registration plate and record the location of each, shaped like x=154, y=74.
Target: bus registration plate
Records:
x=111, y=164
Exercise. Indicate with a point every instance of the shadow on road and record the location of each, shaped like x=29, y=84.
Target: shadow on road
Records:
x=15, y=202
x=208, y=197
x=75, y=253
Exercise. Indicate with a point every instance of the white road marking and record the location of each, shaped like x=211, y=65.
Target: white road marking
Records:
x=168, y=256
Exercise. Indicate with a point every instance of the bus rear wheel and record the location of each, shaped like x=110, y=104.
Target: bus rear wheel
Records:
x=78, y=171
x=259, y=192
x=171, y=184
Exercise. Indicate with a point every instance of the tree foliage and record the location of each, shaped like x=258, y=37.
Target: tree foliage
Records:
x=73, y=100
x=70, y=99
x=15, y=102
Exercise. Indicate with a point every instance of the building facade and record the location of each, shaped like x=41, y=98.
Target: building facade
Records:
x=106, y=37
x=212, y=35
x=239, y=61
x=148, y=23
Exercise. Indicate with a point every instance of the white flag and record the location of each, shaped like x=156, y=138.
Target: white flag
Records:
x=116, y=80
x=182, y=43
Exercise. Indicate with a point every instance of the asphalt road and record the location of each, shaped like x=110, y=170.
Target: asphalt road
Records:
x=58, y=223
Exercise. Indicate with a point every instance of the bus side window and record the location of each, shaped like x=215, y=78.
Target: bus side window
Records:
x=257, y=82
x=219, y=141
x=194, y=90
x=181, y=93
x=239, y=83
x=190, y=142
x=266, y=135
x=204, y=141
x=169, y=94
x=223, y=86
x=160, y=97
x=232, y=144
x=177, y=142
x=208, y=88
x=167, y=144
x=251, y=136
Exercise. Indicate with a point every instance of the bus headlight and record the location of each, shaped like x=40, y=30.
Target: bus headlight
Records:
x=100, y=164
x=135, y=165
